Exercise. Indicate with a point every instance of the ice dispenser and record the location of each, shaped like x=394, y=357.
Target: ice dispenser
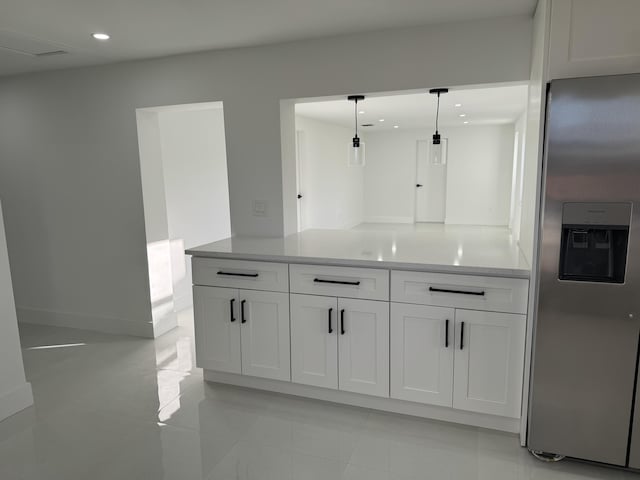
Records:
x=594, y=242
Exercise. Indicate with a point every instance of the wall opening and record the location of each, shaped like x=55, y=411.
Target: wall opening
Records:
x=185, y=189
x=398, y=185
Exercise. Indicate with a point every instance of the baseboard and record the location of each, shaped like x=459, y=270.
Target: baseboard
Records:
x=166, y=323
x=96, y=323
x=504, y=424
x=388, y=220
x=182, y=302
x=15, y=400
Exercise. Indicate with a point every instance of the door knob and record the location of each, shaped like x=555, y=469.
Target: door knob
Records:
x=418, y=185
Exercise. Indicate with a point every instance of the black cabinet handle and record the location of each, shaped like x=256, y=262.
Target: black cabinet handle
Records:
x=330, y=312
x=233, y=274
x=336, y=282
x=418, y=185
x=299, y=196
x=462, y=292
x=446, y=333
x=231, y=302
x=342, y=330
x=461, y=335
x=243, y=318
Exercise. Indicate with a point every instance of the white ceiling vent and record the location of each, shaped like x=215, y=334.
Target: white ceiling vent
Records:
x=26, y=45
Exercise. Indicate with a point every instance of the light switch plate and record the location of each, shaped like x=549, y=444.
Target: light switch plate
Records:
x=259, y=208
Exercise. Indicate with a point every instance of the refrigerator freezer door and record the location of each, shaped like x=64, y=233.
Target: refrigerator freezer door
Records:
x=586, y=332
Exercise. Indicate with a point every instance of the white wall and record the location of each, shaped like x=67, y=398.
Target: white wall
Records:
x=518, y=176
x=194, y=160
x=479, y=172
x=332, y=190
x=183, y=167
x=15, y=392
x=69, y=167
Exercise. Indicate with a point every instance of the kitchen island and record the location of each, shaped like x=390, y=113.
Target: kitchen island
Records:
x=428, y=323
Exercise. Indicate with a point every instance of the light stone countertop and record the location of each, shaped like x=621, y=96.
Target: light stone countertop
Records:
x=433, y=248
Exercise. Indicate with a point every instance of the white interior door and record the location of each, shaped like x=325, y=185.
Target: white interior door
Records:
x=422, y=346
x=217, y=328
x=363, y=346
x=301, y=190
x=489, y=362
x=264, y=325
x=431, y=185
x=314, y=340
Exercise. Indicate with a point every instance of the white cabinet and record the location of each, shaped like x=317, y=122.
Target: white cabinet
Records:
x=242, y=331
x=422, y=346
x=340, y=343
x=264, y=325
x=314, y=340
x=592, y=37
x=363, y=346
x=217, y=329
x=489, y=356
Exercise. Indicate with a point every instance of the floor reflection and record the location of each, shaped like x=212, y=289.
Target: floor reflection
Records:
x=111, y=407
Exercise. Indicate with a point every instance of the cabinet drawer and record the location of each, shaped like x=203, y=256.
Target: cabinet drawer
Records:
x=460, y=291
x=218, y=272
x=366, y=283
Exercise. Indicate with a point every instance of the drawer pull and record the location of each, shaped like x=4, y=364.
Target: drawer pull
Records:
x=336, y=282
x=252, y=275
x=462, y=292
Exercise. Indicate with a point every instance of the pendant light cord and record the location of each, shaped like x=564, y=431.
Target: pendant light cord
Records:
x=355, y=114
x=437, y=112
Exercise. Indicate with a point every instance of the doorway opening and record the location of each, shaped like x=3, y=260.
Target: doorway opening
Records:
x=183, y=166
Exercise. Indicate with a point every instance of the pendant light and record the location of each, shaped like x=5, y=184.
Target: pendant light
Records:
x=356, y=147
x=438, y=150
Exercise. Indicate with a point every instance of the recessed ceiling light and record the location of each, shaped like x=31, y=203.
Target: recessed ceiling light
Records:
x=381, y=120
x=462, y=115
x=465, y=122
x=100, y=36
x=458, y=105
x=361, y=112
x=396, y=126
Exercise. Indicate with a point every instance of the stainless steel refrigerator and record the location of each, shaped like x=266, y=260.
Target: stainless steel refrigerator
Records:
x=584, y=399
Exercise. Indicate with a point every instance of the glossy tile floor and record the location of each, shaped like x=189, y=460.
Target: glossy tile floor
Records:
x=110, y=407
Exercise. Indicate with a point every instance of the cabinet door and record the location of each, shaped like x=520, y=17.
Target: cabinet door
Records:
x=264, y=321
x=489, y=362
x=217, y=329
x=363, y=346
x=314, y=340
x=422, y=345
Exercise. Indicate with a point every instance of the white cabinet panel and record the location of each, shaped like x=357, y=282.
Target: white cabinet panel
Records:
x=460, y=291
x=217, y=329
x=592, y=37
x=220, y=272
x=265, y=334
x=350, y=282
x=314, y=340
x=363, y=346
x=489, y=359
x=422, y=346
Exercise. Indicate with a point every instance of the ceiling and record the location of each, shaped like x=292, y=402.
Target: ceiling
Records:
x=150, y=28
x=480, y=106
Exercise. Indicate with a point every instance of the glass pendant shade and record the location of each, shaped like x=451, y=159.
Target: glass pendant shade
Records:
x=438, y=152
x=356, y=154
